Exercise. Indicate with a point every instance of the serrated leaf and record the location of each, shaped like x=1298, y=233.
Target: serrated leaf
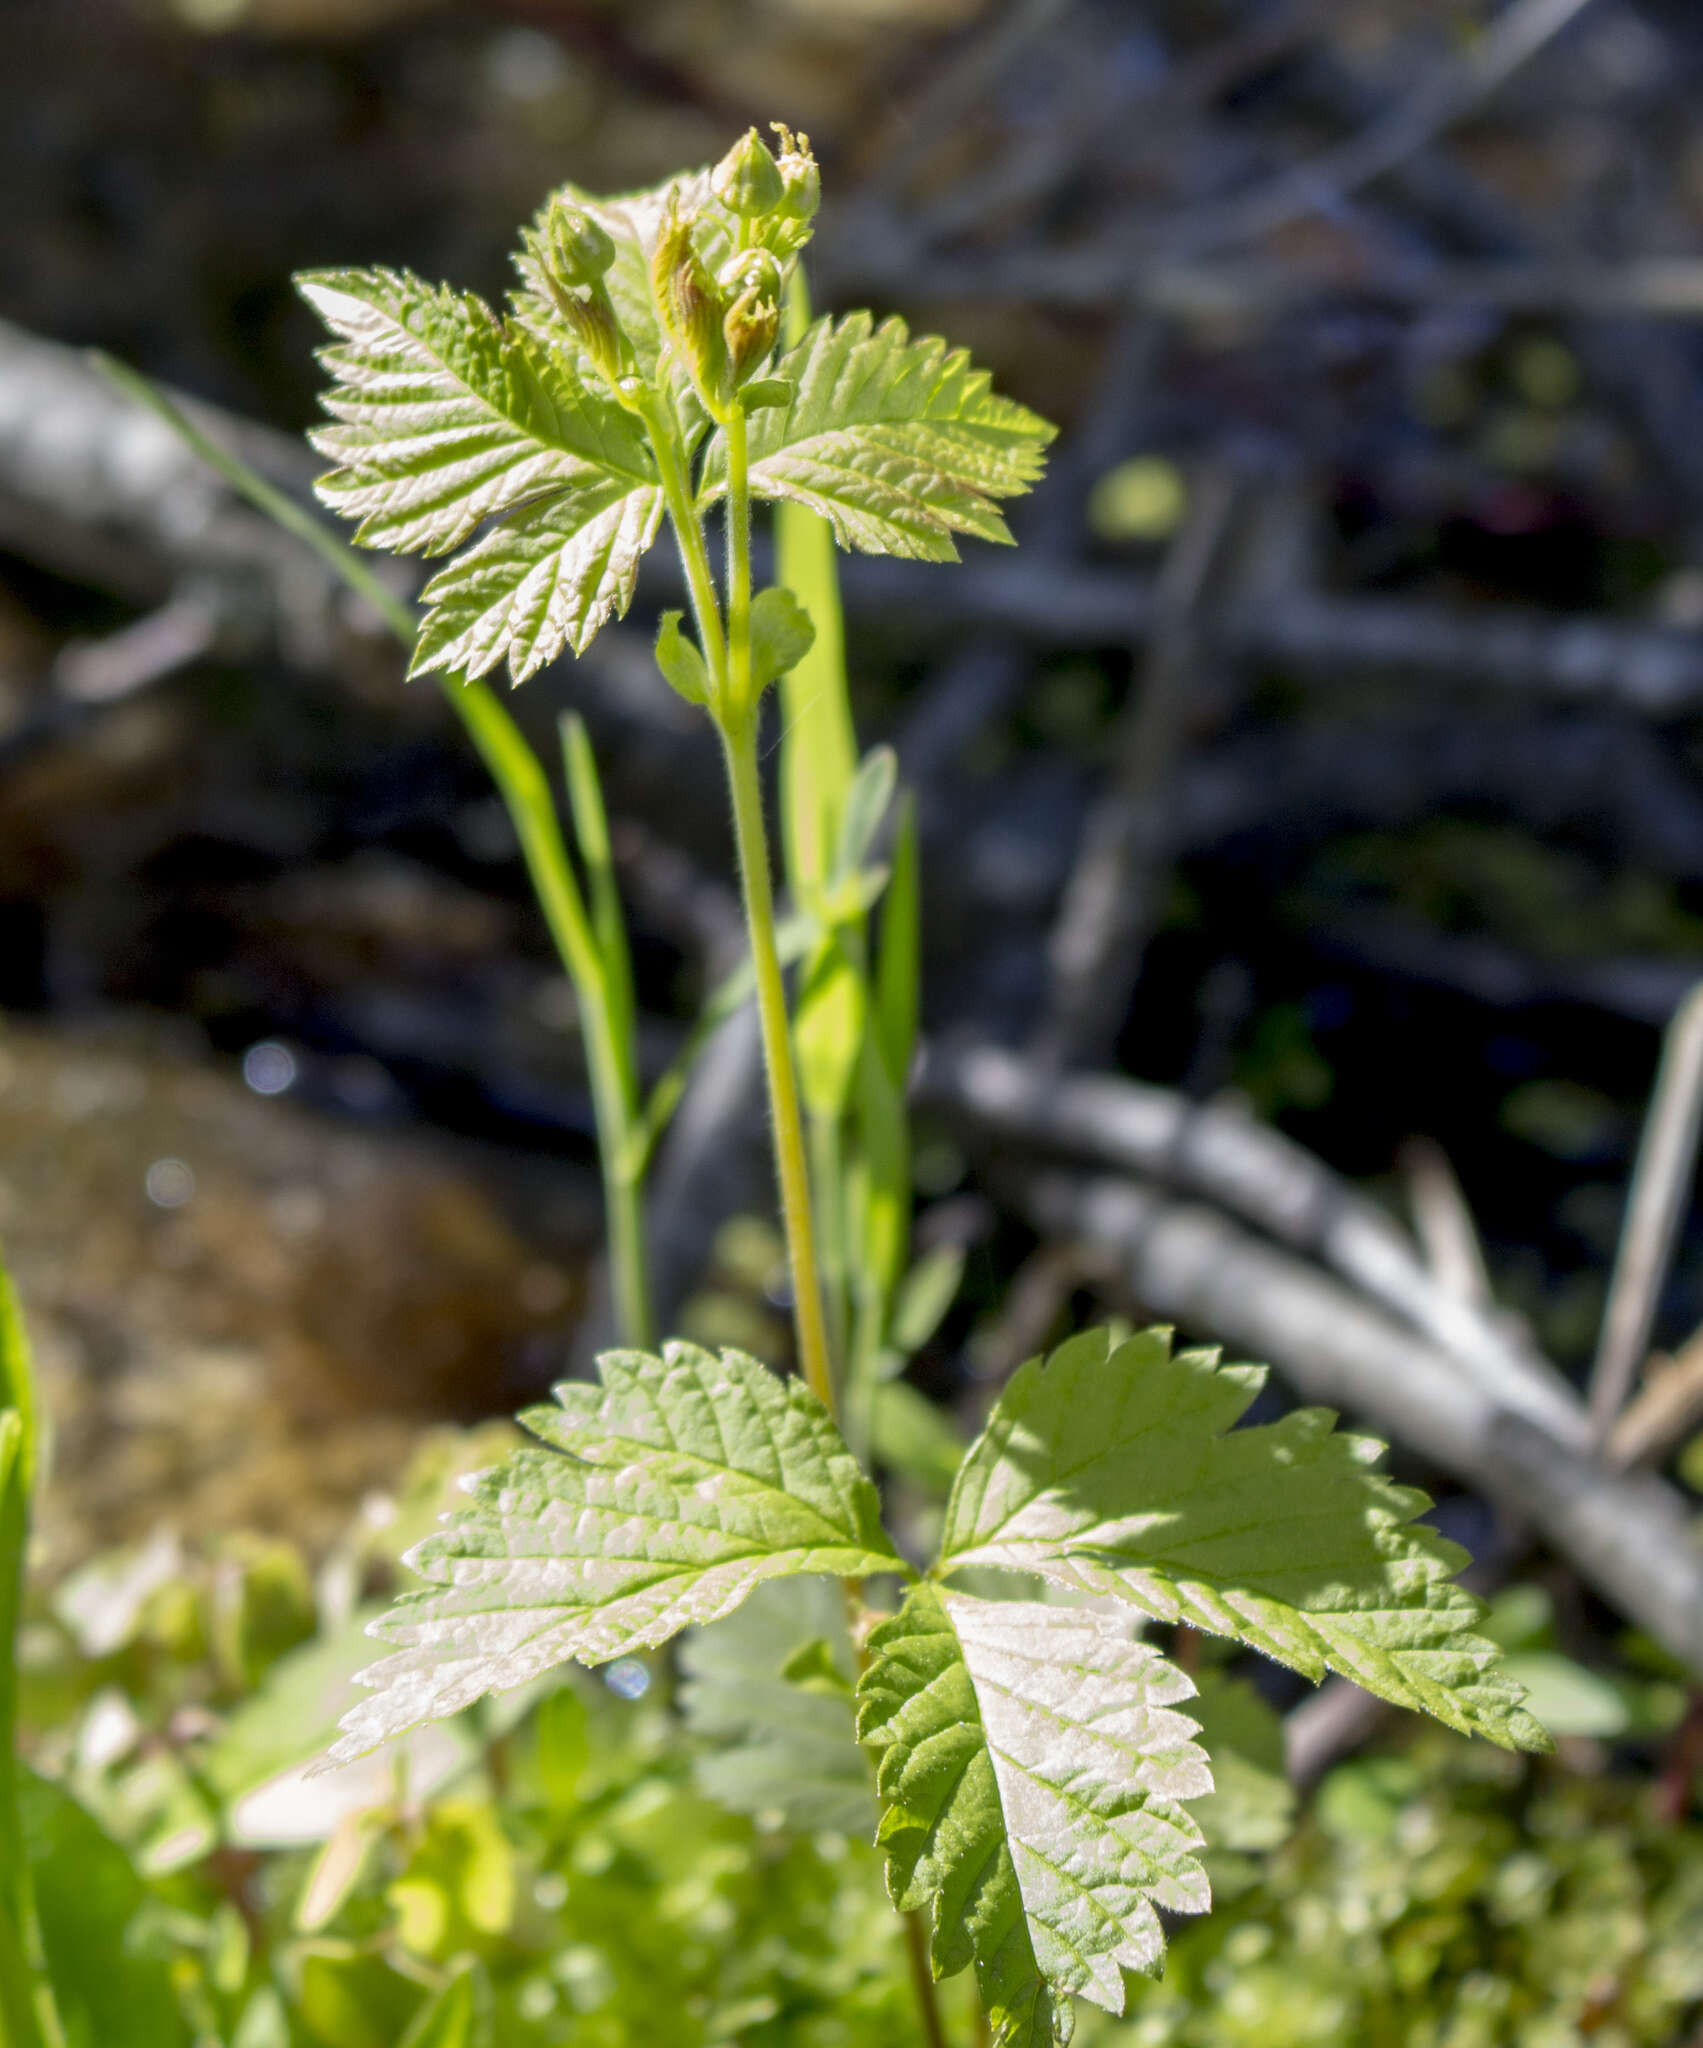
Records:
x=781, y=635
x=1030, y=1774
x=444, y=415
x=1116, y=1469
x=783, y=1738
x=540, y=582
x=688, y=1480
x=898, y=444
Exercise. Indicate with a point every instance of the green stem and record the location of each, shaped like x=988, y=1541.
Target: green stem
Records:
x=739, y=563
x=922, y=1980
x=739, y=745
x=737, y=718
x=689, y=537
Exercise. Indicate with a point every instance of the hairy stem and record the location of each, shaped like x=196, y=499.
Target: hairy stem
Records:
x=739, y=744
x=689, y=537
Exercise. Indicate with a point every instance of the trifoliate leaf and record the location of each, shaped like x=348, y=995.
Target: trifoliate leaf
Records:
x=541, y=581
x=1114, y=1468
x=445, y=415
x=770, y=1688
x=1031, y=1766
x=687, y=1480
x=681, y=663
x=781, y=635
x=899, y=444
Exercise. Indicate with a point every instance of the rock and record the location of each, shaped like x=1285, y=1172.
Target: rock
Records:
x=245, y=1315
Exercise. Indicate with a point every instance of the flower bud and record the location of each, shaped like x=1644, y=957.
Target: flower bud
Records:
x=801, y=181
x=568, y=260
x=748, y=181
x=573, y=249
x=690, y=307
x=752, y=322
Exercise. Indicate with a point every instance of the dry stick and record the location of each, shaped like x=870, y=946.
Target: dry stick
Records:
x=1254, y=1172
x=1661, y=1185
x=1667, y=1408
x=1444, y=1223
x=1111, y=904
x=1627, y=1535
x=1324, y=182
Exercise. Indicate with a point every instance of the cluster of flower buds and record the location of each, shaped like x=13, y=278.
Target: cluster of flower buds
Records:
x=726, y=326
x=572, y=252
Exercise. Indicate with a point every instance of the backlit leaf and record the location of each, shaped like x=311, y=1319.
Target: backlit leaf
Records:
x=660, y=1498
x=898, y=444
x=1116, y=1469
x=444, y=415
x=1031, y=1768
x=539, y=583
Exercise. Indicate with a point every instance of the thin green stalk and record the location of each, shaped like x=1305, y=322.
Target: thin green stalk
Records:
x=29, y=2017
x=739, y=562
x=739, y=745
x=922, y=1980
x=689, y=538
x=525, y=791
x=525, y=788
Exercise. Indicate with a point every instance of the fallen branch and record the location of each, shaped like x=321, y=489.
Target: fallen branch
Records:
x=1253, y=1172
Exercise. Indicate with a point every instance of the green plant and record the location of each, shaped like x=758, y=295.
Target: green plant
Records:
x=1034, y=1768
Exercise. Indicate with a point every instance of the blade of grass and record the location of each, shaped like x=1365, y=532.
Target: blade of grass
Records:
x=591, y=831
x=28, y=2018
x=818, y=744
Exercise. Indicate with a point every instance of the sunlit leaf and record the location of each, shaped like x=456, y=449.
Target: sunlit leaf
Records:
x=659, y=1498
x=1031, y=1768
x=1117, y=1469
x=898, y=444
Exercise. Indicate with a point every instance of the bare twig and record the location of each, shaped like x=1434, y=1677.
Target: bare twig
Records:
x=1111, y=900
x=1256, y=1173
x=1666, y=1409
x=1328, y=1724
x=1661, y=1187
x=1437, y=104
x=1628, y=1536
x=1316, y=638
x=1444, y=1223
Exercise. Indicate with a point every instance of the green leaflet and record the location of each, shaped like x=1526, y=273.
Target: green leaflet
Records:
x=688, y=1480
x=1030, y=1774
x=1116, y=1470
x=898, y=444
x=541, y=581
x=445, y=415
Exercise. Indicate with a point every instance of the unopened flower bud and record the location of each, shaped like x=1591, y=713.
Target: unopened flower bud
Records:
x=752, y=322
x=748, y=181
x=568, y=258
x=690, y=307
x=574, y=248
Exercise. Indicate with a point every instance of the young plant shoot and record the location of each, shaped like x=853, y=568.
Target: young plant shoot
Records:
x=1034, y=1756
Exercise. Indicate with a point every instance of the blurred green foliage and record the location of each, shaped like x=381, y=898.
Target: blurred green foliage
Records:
x=611, y=1861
